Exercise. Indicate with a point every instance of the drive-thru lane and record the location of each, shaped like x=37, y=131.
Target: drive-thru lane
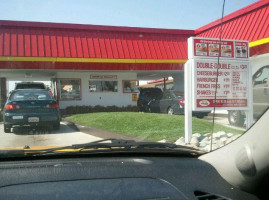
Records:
x=65, y=136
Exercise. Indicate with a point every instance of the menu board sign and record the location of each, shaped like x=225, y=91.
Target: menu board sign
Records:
x=209, y=48
x=217, y=76
x=232, y=85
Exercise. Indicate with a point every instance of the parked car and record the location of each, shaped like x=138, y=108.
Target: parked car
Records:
x=30, y=85
x=172, y=102
x=146, y=95
x=35, y=107
x=260, y=98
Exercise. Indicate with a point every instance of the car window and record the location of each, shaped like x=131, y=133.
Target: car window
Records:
x=261, y=77
x=30, y=95
x=167, y=95
x=150, y=93
x=30, y=86
x=178, y=94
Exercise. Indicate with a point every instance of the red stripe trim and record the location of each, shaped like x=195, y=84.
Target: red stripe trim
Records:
x=91, y=66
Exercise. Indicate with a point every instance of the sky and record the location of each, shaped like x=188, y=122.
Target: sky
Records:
x=172, y=14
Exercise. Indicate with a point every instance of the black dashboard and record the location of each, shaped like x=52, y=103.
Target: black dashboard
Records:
x=132, y=177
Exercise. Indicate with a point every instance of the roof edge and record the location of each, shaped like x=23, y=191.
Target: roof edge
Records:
x=93, y=27
x=254, y=6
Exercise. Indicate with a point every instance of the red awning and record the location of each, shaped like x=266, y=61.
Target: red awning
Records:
x=53, y=45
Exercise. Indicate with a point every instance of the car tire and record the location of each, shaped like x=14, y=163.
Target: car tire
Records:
x=170, y=111
x=7, y=129
x=57, y=126
x=200, y=116
x=236, y=118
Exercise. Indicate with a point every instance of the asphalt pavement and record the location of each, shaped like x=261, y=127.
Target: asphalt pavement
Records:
x=44, y=137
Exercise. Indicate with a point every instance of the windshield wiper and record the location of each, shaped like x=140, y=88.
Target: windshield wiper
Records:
x=109, y=145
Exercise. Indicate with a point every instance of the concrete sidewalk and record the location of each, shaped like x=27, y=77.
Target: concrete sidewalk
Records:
x=219, y=113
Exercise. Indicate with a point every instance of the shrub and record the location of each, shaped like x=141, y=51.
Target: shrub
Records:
x=89, y=109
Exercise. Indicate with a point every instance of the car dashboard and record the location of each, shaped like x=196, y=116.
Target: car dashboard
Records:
x=115, y=177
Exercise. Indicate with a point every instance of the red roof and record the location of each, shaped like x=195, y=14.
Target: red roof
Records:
x=34, y=39
x=249, y=23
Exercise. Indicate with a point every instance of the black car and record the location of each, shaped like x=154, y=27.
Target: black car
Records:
x=146, y=95
x=172, y=102
x=31, y=108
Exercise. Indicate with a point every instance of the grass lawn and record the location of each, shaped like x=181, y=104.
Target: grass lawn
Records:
x=148, y=126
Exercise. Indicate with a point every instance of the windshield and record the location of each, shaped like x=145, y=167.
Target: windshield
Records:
x=74, y=72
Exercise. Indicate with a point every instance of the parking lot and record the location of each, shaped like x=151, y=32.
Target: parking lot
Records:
x=43, y=137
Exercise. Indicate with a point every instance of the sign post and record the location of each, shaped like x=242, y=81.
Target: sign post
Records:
x=234, y=86
x=188, y=98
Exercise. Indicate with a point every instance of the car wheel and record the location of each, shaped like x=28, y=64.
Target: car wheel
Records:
x=236, y=118
x=170, y=111
x=56, y=126
x=7, y=129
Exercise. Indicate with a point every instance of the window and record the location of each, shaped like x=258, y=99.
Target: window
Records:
x=30, y=95
x=129, y=86
x=70, y=89
x=103, y=86
x=261, y=77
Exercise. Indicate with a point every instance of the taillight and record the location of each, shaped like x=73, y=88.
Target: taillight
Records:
x=51, y=93
x=181, y=102
x=12, y=107
x=52, y=105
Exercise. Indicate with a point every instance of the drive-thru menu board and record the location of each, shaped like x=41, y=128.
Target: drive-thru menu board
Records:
x=233, y=74
x=232, y=86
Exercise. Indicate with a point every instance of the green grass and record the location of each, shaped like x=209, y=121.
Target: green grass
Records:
x=148, y=126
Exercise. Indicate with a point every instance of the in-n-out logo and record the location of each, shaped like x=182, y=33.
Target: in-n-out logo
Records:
x=204, y=103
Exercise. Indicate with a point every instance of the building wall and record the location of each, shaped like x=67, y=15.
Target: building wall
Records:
x=99, y=98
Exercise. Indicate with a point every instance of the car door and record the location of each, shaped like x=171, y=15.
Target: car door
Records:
x=260, y=91
x=154, y=105
x=165, y=101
